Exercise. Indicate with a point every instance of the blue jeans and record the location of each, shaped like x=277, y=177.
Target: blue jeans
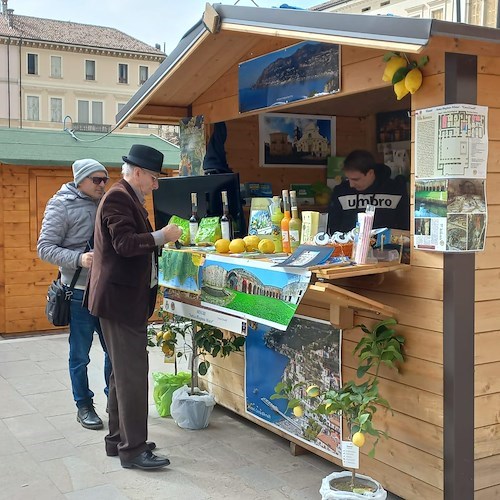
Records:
x=82, y=326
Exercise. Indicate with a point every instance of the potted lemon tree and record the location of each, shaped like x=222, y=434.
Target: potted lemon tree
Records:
x=191, y=408
x=358, y=402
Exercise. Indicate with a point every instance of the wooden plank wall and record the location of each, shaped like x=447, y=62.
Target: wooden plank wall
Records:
x=410, y=462
x=24, y=278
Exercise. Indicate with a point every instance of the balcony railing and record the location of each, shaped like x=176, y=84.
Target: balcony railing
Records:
x=91, y=127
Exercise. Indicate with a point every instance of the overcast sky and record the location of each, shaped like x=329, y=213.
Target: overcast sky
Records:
x=151, y=21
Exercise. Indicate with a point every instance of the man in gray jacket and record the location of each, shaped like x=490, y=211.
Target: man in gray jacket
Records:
x=66, y=240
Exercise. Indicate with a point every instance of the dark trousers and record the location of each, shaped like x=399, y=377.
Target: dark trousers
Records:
x=128, y=388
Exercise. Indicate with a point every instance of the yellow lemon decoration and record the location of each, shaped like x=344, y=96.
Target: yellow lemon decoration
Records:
x=392, y=66
x=358, y=439
x=251, y=242
x=400, y=90
x=222, y=245
x=298, y=411
x=266, y=246
x=413, y=80
x=312, y=391
x=237, y=246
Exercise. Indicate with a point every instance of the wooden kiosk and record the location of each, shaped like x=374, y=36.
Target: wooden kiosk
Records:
x=445, y=432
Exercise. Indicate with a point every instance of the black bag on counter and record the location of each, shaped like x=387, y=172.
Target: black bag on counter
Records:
x=59, y=300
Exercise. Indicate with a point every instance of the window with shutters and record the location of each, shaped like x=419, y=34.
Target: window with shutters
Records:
x=123, y=73
x=56, y=109
x=32, y=64
x=143, y=74
x=33, y=108
x=89, y=70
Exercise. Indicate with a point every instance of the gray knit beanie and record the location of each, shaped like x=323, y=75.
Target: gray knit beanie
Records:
x=83, y=168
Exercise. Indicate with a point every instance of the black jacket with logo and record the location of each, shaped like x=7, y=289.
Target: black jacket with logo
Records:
x=388, y=196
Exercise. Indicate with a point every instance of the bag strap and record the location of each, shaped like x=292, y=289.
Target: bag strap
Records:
x=88, y=246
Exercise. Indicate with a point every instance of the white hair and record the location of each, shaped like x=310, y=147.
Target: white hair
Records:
x=128, y=169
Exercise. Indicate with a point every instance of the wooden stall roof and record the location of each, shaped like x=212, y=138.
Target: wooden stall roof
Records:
x=227, y=33
x=58, y=148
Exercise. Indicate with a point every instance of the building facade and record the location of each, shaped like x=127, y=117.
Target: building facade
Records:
x=478, y=12
x=57, y=74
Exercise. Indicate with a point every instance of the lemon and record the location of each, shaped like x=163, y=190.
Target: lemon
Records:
x=400, y=90
x=159, y=335
x=237, y=246
x=251, y=242
x=413, y=80
x=392, y=66
x=168, y=351
x=358, y=439
x=266, y=246
x=167, y=335
x=298, y=411
x=222, y=245
x=312, y=391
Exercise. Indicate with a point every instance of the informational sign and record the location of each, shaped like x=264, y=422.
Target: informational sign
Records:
x=307, y=353
x=451, y=152
x=350, y=455
x=192, y=146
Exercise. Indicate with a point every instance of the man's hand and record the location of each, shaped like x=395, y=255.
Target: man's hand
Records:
x=172, y=232
x=87, y=259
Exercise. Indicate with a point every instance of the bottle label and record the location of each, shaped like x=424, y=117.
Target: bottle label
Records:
x=294, y=239
x=225, y=230
x=193, y=229
x=284, y=236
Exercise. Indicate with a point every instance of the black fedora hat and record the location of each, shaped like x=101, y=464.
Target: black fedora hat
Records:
x=145, y=157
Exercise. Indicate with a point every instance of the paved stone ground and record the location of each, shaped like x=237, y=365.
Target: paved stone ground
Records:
x=46, y=454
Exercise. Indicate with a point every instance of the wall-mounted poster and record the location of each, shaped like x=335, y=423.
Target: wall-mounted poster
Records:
x=287, y=140
x=301, y=71
x=308, y=352
x=192, y=146
x=451, y=149
x=450, y=215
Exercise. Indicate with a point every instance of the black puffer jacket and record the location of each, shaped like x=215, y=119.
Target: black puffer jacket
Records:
x=388, y=196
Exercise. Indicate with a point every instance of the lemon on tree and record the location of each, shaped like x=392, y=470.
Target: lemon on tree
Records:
x=358, y=439
x=298, y=411
x=312, y=391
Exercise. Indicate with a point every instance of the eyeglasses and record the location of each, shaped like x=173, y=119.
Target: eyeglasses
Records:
x=98, y=180
x=155, y=177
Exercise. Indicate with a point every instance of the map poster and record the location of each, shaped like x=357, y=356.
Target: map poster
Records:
x=451, y=141
x=307, y=353
x=450, y=215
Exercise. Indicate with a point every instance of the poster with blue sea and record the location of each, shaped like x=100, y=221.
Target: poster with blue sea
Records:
x=253, y=289
x=301, y=71
x=307, y=353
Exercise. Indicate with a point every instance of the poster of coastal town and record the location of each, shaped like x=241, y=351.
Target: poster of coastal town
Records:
x=252, y=289
x=307, y=353
x=301, y=71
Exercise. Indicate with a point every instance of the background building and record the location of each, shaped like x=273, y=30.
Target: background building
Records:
x=54, y=72
x=479, y=12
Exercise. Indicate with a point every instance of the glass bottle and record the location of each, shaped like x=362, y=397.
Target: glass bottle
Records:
x=276, y=218
x=295, y=224
x=226, y=222
x=193, y=220
x=285, y=223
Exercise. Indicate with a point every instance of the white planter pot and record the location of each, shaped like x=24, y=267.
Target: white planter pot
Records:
x=191, y=412
x=328, y=492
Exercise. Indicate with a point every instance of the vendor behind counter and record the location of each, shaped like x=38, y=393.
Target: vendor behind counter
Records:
x=368, y=183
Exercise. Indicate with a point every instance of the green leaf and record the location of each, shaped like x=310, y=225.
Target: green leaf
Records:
x=388, y=55
x=361, y=371
x=423, y=61
x=203, y=367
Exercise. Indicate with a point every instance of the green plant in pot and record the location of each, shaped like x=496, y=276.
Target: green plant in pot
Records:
x=380, y=345
x=199, y=340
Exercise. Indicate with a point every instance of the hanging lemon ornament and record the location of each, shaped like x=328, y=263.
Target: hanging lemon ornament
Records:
x=393, y=64
x=400, y=90
x=413, y=80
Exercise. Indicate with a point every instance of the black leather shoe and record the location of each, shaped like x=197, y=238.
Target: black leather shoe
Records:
x=147, y=460
x=114, y=453
x=89, y=419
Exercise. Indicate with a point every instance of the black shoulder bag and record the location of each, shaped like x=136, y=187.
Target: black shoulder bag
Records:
x=59, y=300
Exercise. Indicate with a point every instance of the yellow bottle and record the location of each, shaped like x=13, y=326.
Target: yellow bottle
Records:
x=285, y=223
x=276, y=218
x=295, y=224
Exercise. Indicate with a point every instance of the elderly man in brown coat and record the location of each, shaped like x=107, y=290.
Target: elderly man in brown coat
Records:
x=122, y=293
